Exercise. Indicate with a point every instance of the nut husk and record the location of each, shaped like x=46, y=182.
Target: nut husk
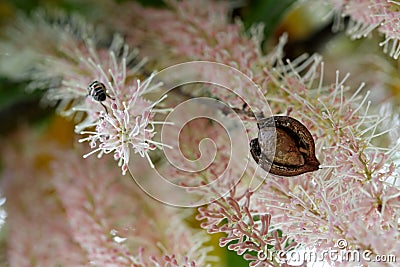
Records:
x=284, y=147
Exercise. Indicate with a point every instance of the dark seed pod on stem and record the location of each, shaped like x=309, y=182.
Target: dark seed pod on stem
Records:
x=284, y=147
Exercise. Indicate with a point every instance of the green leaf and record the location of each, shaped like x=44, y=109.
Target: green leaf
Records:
x=17, y=105
x=269, y=12
x=25, y=5
x=157, y=3
x=13, y=92
x=234, y=260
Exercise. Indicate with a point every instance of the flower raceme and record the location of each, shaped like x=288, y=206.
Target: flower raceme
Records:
x=369, y=15
x=313, y=209
x=129, y=123
x=354, y=196
x=65, y=211
x=125, y=127
x=124, y=120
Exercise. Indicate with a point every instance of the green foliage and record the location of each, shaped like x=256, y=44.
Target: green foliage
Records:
x=16, y=105
x=11, y=92
x=268, y=12
x=234, y=260
x=158, y=3
x=25, y=5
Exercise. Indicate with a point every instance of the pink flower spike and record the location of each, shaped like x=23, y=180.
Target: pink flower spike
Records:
x=128, y=125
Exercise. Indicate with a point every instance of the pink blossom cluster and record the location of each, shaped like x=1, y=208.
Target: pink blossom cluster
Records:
x=318, y=208
x=106, y=220
x=368, y=15
x=70, y=63
x=209, y=35
x=247, y=230
x=73, y=212
x=39, y=233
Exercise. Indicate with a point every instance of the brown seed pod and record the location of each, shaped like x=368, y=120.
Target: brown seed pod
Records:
x=291, y=153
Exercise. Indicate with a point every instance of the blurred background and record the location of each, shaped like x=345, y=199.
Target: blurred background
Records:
x=313, y=35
